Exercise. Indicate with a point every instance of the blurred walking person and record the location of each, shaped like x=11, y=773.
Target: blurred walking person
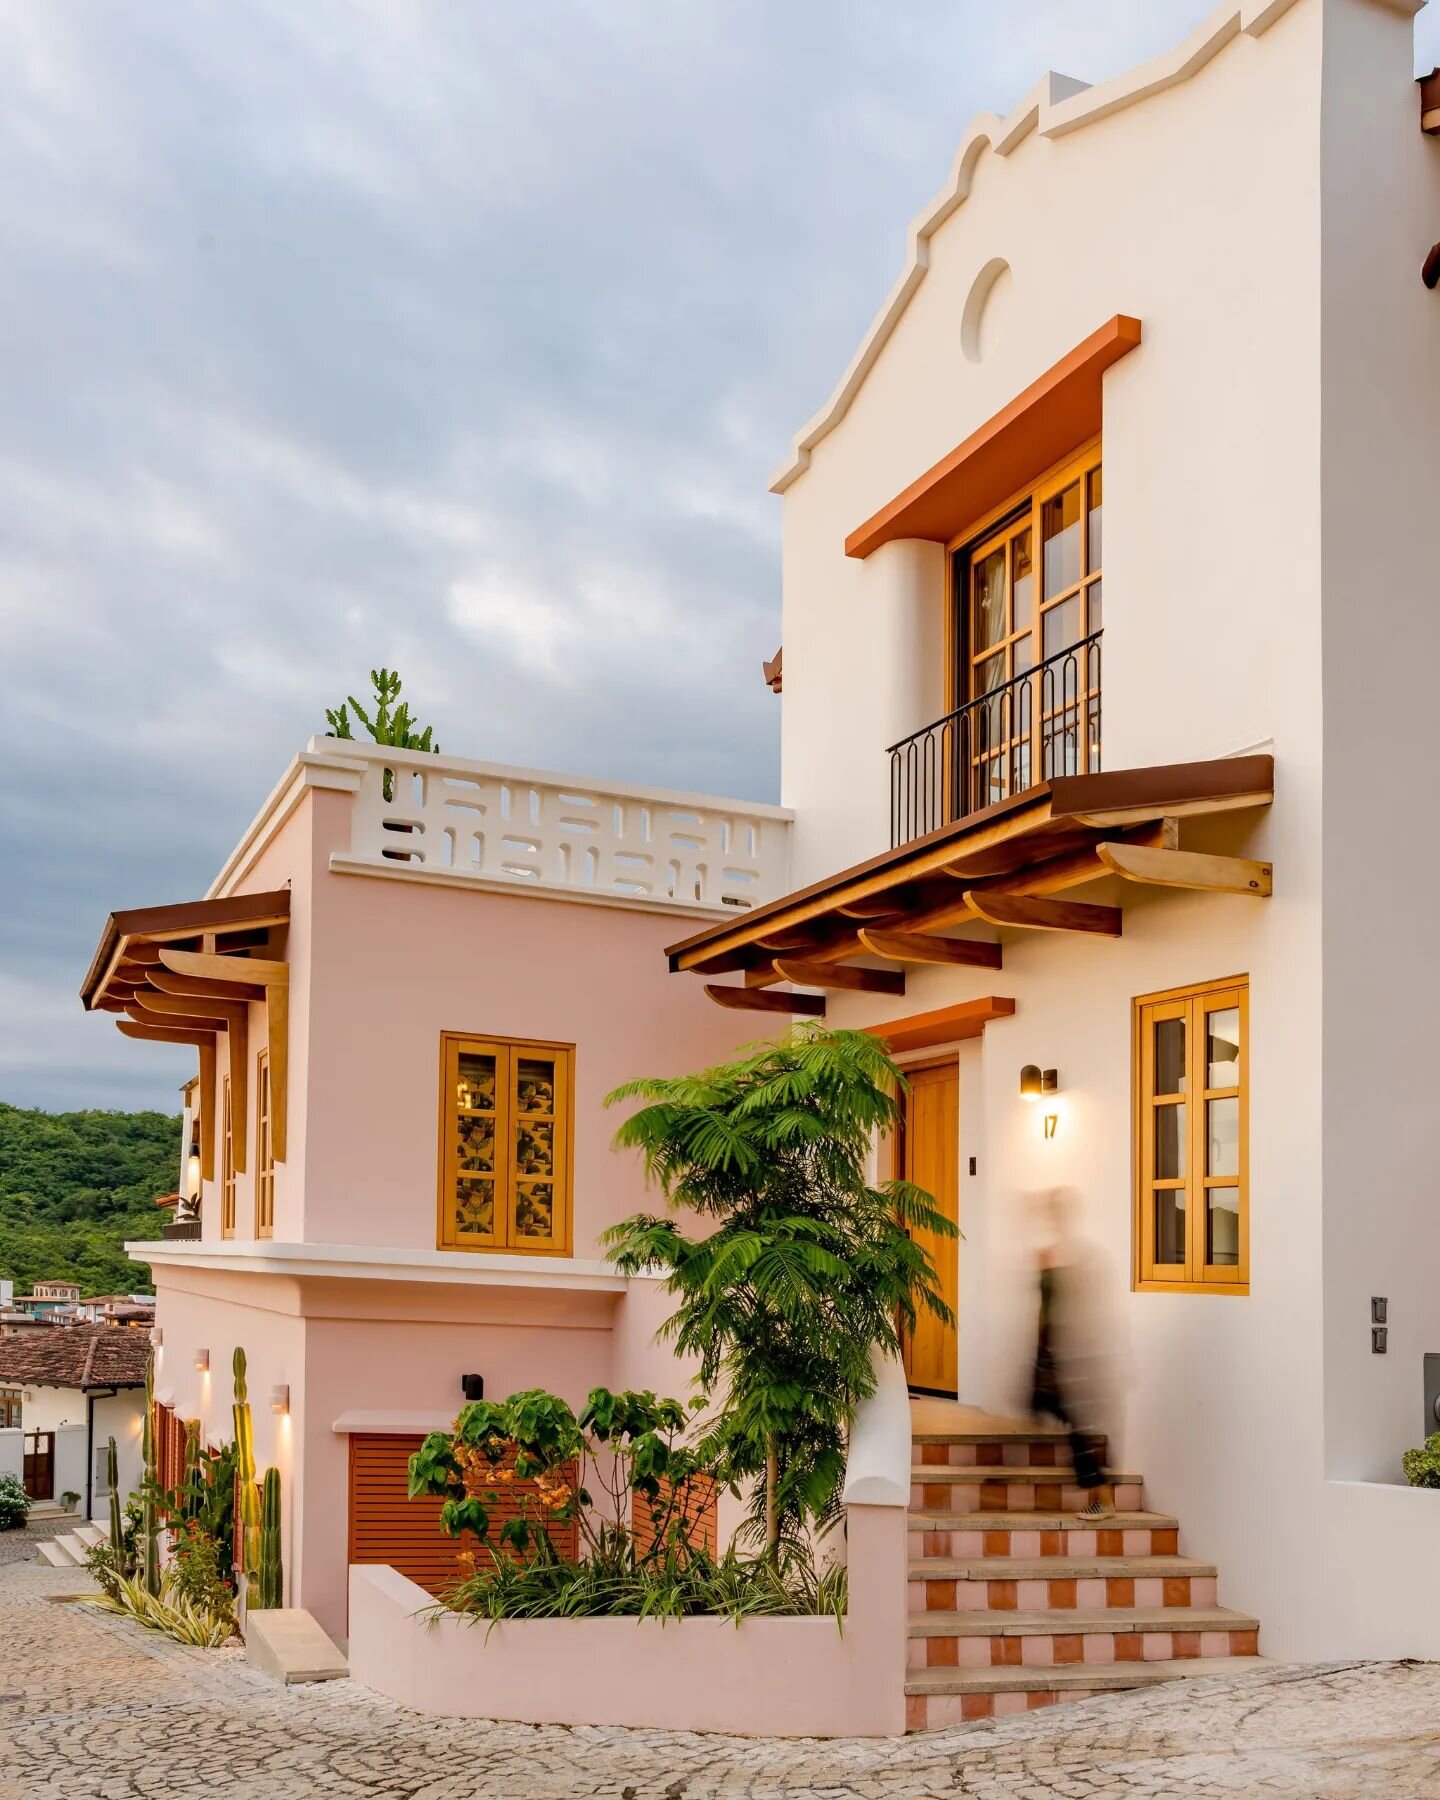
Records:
x=1074, y=1359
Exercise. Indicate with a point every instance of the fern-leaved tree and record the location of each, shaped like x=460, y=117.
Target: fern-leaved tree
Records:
x=797, y=1269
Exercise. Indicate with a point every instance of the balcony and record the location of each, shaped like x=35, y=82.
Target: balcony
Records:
x=1041, y=724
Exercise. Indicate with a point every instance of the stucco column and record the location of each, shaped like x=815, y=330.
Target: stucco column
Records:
x=906, y=604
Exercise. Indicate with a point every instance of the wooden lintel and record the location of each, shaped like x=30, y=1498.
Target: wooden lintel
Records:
x=919, y=947
x=833, y=975
x=197, y=989
x=224, y=968
x=1032, y=913
x=1188, y=869
x=943, y=1024
x=765, y=1000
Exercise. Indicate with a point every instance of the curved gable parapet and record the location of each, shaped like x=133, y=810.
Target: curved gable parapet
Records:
x=1056, y=106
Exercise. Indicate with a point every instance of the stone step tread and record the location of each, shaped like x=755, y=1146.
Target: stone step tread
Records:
x=932, y=1474
x=1062, y=1622
x=49, y=1551
x=92, y=1534
x=1089, y=1677
x=920, y=1520
x=73, y=1546
x=1054, y=1568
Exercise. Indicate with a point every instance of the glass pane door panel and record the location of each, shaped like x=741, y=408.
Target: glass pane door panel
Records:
x=1062, y=628
x=1170, y=1056
x=1170, y=1225
x=474, y=1206
x=534, y=1147
x=1060, y=527
x=1222, y=1155
x=1170, y=1143
x=989, y=590
x=475, y=1086
x=1024, y=582
x=990, y=674
x=1222, y=1227
x=1095, y=524
x=534, y=1210
x=535, y=1085
x=475, y=1144
x=1094, y=610
x=1222, y=1050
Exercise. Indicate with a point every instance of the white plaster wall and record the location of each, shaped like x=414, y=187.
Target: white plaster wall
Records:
x=1197, y=211
x=12, y=1451
x=121, y=1416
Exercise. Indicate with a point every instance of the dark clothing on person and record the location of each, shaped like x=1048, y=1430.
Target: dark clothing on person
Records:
x=1048, y=1398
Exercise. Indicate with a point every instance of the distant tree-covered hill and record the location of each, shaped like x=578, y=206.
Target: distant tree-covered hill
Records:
x=74, y=1186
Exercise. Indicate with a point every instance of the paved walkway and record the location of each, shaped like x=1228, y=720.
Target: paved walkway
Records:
x=91, y=1706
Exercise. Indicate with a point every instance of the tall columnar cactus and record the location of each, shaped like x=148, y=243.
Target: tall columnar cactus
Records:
x=247, y=1500
x=191, y=1493
x=150, y=1489
x=272, y=1569
x=117, y=1525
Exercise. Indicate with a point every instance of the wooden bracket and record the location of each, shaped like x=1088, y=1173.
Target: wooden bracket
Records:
x=918, y=947
x=1188, y=869
x=765, y=1000
x=836, y=975
x=1031, y=913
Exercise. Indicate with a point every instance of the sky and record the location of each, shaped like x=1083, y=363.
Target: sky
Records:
x=460, y=336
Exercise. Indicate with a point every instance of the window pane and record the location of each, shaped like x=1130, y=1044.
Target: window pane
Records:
x=1170, y=1143
x=535, y=1085
x=1094, y=611
x=1096, y=520
x=475, y=1087
x=990, y=675
x=1023, y=652
x=1062, y=629
x=1060, y=523
x=475, y=1144
x=1222, y=1227
x=1170, y=1225
x=535, y=1147
x=1024, y=581
x=1222, y=1052
x=475, y=1206
x=989, y=588
x=1223, y=1133
x=534, y=1210
x=1170, y=1056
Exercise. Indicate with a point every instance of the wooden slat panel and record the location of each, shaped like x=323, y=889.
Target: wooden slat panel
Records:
x=701, y=1507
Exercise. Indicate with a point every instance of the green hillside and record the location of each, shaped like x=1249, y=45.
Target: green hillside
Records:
x=74, y=1186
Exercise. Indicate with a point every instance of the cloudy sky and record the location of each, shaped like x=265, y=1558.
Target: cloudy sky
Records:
x=458, y=335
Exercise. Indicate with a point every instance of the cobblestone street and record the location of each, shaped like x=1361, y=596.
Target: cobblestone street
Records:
x=95, y=1707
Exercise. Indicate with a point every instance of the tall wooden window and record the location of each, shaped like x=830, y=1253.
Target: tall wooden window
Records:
x=1192, y=1221
x=10, y=1407
x=1027, y=609
x=227, y=1163
x=265, y=1151
x=505, y=1145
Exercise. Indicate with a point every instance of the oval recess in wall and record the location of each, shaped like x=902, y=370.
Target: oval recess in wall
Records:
x=984, y=309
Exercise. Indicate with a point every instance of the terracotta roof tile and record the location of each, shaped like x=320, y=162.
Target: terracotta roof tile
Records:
x=76, y=1356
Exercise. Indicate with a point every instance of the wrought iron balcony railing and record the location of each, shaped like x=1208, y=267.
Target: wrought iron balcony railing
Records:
x=1041, y=723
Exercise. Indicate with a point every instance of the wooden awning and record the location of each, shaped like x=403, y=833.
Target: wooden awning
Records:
x=999, y=870
x=188, y=973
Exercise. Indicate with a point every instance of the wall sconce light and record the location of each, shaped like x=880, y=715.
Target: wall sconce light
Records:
x=157, y=1337
x=192, y=1173
x=280, y=1398
x=202, y=1361
x=473, y=1387
x=1035, y=1081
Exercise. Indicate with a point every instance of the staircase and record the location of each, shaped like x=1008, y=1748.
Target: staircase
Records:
x=1016, y=1603
x=68, y=1551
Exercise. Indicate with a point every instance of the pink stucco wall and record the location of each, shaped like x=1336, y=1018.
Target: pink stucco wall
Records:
x=763, y=1678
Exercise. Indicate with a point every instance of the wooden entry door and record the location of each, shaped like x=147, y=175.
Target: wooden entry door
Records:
x=39, y=1465
x=928, y=1153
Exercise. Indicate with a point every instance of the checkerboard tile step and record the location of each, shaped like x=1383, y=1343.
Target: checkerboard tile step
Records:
x=972, y=1452
x=1045, y=1583
x=982, y=1640
x=966, y=1534
x=954, y=1489
x=935, y=1698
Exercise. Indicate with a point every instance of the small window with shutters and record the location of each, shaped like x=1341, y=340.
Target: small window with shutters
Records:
x=505, y=1145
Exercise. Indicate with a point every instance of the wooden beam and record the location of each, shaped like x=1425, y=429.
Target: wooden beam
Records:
x=833, y=975
x=207, y=1109
x=765, y=1000
x=198, y=989
x=277, y=1036
x=1122, y=816
x=917, y=947
x=226, y=1013
x=163, y=1034
x=1188, y=869
x=237, y=1041
x=191, y=1022
x=1033, y=914
x=800, y=937
x=884, y=906
x=223, y=968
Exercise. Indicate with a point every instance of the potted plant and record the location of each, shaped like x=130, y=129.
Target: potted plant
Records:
x=70, y=1500
x=391, y=725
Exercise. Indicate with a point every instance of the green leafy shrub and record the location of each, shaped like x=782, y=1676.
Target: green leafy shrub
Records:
x=14, y=1503
x=168, y=1611
x=198, y=1572
x=1422, y=1466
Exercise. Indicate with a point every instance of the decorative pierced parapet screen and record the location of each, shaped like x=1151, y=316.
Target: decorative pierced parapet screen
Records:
x=482, y=820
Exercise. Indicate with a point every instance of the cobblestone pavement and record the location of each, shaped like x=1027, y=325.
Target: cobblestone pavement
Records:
x=19, y=1546
x=91, y=1706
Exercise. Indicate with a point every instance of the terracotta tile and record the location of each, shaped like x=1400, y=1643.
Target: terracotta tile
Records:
x=1009, y=1703
x=1062, y=1595
x=915, y=1712
x=1041, y=1697
x=974, y=1652
x=1165, y=1543
x=1099, y=1647
x=1202, y=1591
x=936, y=1495
x=1006, y=1652
x=1036, y=1652
x=934, y=1453
x=994, y=1496
x=1185, y=1643
x=1090, y=1591
x=1020, y=1496
x=1025, y=1543
x=1156, y=1646
x=1135, y=1543
x=941, y=1653
x=1119, y=1590
x=1082, y=1543
x=1052, y=1543
x=1177, y=1590
x=1032, y=1596
x=977, y=1706
x=934, y=1543
x=1001, y=1595
x=1214, y=1643
x=945, y=1709
x=967, y=1543
x=1042, y=1456
x=1068, y=1648
x=1149, y=1590
x=1016, y=1456
x=1129, y=1647
x=1244, y=1643
x=989, y=1456
x=997, y=1543
x=1127, y=1497
x=939, y=1596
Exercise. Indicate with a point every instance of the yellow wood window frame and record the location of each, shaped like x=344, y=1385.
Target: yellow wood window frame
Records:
x=227, y=1163
x=264, y=1150
x=524, y=1125
x=1183, y=1153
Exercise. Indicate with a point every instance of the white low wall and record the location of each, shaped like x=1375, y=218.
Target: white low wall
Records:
x=798, y=1677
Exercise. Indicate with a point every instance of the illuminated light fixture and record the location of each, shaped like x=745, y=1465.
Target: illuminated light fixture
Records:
x=202, y=1361
x=280, y=1397
x=157, y=1337
x=192, y=1174
x=1035, y=1081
